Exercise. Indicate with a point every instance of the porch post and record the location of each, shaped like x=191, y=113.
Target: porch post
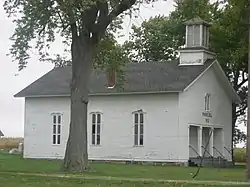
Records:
x=211, y=141
x=223, y=141
x=200, y=141
x=188, y=142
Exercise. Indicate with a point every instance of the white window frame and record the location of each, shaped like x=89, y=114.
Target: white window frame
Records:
x=139, y=128
x=96, y=125
x=208, y=102
x=198, y=35
x=56, y=129
x=204, y=36
x=191, y=35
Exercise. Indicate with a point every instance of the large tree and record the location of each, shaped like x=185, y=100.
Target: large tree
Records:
x=158, y=39
x=83, y=24
x=229, y=39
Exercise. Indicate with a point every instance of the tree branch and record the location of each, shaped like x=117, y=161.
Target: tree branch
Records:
x=70, y=15
x=235, y=79
x=63, y=24
x=244, y=79
x=103, y=13
x=42, y=30
x=89, y=17
x=243, y=75
x=241, y=111
x=103, y=8
x=123, y=6
x=104, y=19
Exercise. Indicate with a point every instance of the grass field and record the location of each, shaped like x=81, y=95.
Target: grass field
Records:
x=9, y=143
x=35, y=181
x=240, y=155
x=26, y=172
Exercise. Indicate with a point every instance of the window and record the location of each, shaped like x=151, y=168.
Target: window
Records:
x=190, y=36
x=193, y=35
x=207, y=102
x=138, y=128
x=96, y=128
x=205, y=30
x=196, y=35
x=56, y=131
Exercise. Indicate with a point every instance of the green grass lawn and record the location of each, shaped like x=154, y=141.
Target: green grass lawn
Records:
x=11, y=165
x=13, y=181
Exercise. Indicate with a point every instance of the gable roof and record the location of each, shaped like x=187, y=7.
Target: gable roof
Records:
x=219, y=72
x=151, y=77
x=226, y=83
x=1, y=133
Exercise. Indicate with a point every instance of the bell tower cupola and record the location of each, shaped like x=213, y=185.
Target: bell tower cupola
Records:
x=196, y=49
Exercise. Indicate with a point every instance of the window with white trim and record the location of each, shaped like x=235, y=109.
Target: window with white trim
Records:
x=138, y=128
x=96, y=128
x=193, y=35
x=56, y=129
x=207, y=102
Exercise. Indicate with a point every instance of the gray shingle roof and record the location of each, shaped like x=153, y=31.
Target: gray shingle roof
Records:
x=198, y=21
x=139, y=77
x=1, y=133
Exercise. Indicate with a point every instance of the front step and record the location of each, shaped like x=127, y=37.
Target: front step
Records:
x=209, y=162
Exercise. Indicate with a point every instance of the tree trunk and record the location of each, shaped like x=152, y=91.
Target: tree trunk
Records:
x=76, y=154
x=248, y=111
x=234, y=119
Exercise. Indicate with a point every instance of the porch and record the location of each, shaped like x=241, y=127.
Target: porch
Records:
x=207, y=146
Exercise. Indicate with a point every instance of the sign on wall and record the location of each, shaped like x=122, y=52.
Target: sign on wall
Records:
x=207, y=115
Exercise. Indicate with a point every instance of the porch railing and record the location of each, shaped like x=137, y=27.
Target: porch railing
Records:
x=218, y=152
x=229, y=151
x=194, y=150
x=206, y=151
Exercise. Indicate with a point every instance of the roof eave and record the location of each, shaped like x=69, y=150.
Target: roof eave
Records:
x=235, y=97
x=19, y=94
x=101, y=94
x=197, y=20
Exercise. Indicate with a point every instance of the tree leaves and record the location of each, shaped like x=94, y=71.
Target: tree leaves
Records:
x=39, y=22
x=229, y=39
x=149, y=41
x=34, y=20
x=158, y=39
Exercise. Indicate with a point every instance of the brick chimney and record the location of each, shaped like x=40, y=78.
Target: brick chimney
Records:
x=111, y=78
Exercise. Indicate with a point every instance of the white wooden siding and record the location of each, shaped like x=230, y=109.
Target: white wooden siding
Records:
x=117, y=133
x=166, y=121
x=192, y=104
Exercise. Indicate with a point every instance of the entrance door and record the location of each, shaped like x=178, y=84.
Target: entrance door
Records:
x=218, y=142
x=193, y=141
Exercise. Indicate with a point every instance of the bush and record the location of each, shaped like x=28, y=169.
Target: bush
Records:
x=240, y=155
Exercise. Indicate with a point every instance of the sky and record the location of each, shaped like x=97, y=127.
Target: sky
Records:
x=12, y=81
